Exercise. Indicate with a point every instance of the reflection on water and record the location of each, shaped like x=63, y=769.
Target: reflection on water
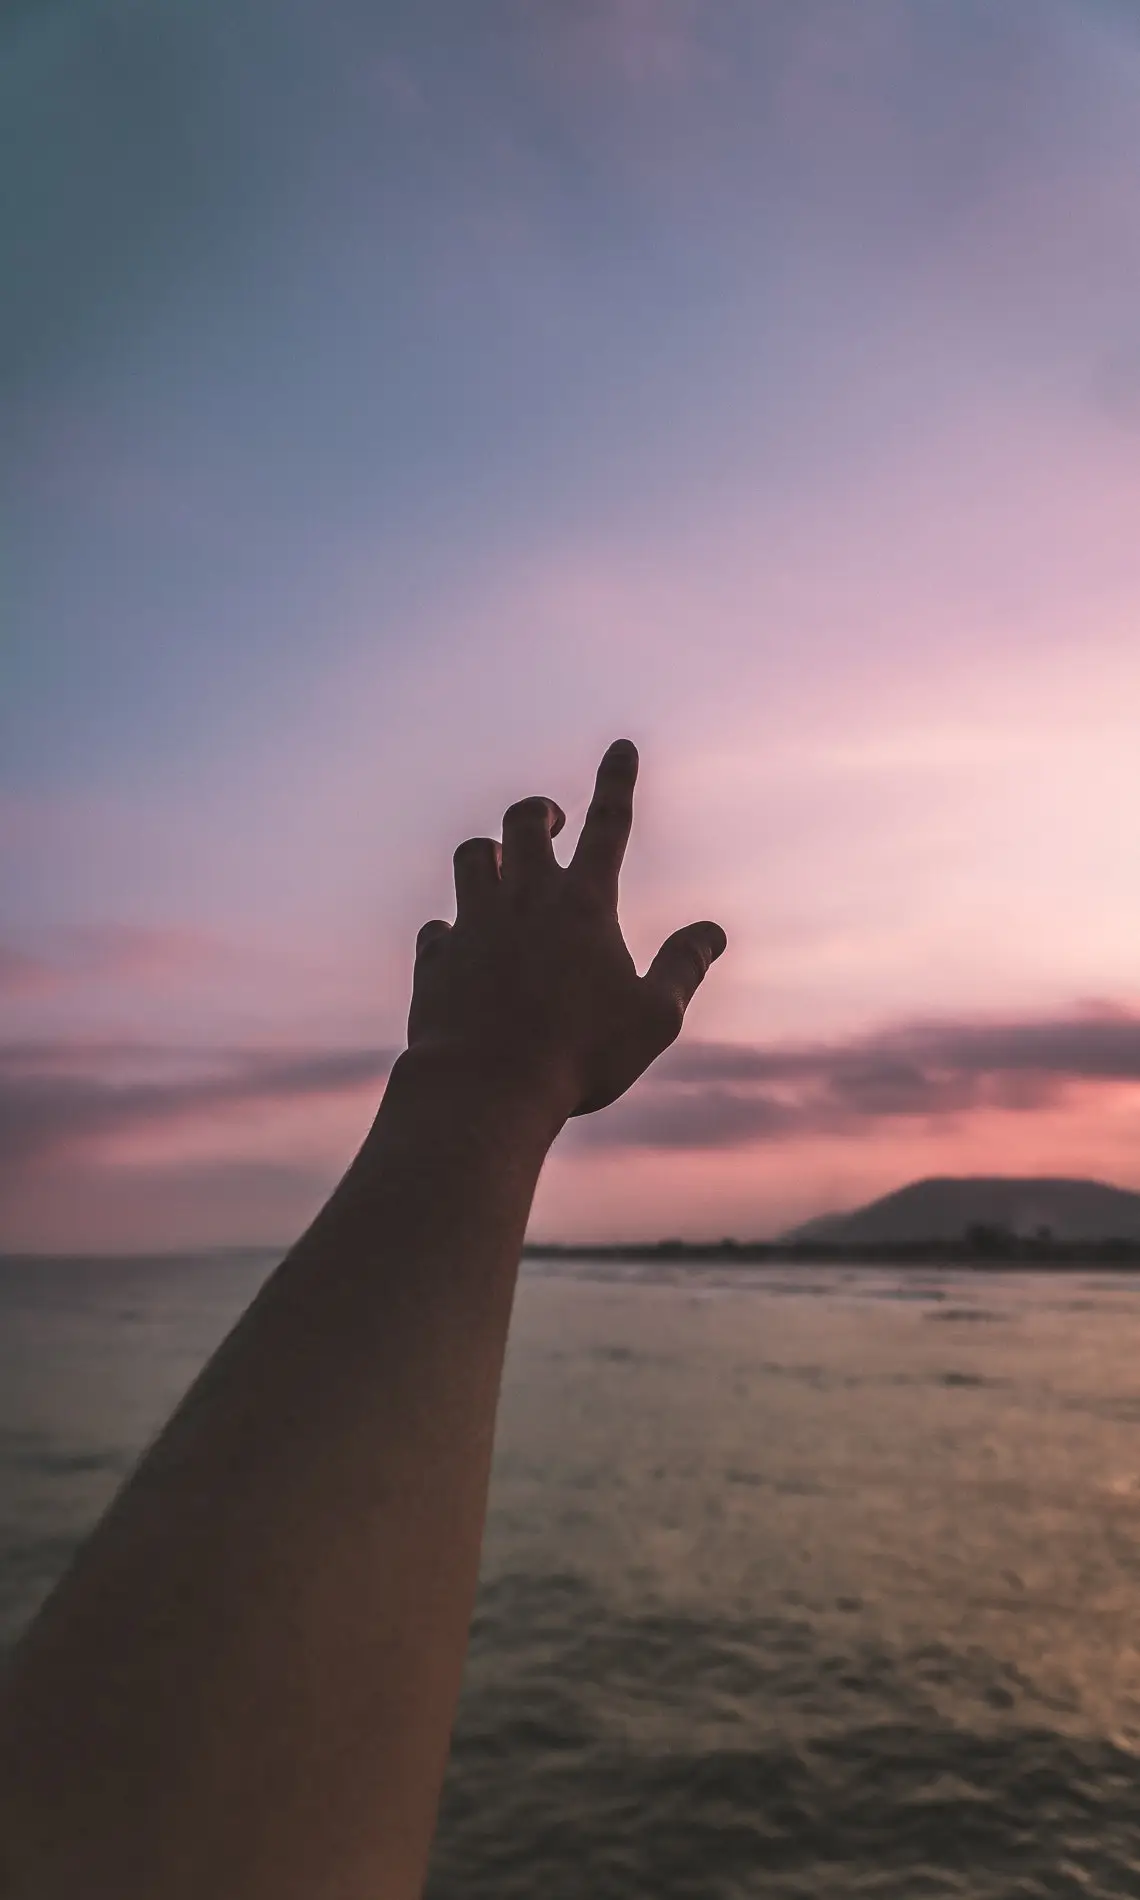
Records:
x=823, y=1583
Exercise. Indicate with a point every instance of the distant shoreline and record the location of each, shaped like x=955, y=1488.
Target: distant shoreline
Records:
x=994, y=1252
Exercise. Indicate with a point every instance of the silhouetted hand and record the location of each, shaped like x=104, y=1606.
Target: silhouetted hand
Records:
x=352, y=1412
x=533, y=984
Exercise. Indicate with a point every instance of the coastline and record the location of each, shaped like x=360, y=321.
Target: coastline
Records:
x=993, y=1252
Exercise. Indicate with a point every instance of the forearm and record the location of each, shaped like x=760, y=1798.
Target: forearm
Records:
x=246, y=1685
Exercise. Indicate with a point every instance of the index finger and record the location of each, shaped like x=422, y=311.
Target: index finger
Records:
x=606, y=827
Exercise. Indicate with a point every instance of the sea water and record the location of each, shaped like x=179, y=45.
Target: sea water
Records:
x=796, y=1582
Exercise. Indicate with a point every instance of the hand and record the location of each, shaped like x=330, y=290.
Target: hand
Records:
x=533, y=983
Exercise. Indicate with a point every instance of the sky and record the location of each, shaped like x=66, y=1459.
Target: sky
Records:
x=398, y=403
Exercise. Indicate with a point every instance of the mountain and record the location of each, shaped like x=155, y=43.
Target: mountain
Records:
x=945, y=1208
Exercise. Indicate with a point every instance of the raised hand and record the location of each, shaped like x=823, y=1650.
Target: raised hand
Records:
x=200, y=1708
x=533, y=984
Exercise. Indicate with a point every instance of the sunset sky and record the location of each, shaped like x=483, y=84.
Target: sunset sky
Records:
x=402, y=401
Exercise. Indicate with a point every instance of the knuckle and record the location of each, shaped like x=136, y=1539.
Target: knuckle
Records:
x=669, y=1013
x=431, y=939
x=611, y=812
x=528, y=811
x=696, y=957
x=473, y=847
x=675, y=1012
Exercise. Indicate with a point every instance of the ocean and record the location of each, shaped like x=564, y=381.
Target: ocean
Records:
x=800, y=1582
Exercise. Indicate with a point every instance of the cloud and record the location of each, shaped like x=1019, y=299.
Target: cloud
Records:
x=22, y=973
x=716, y=1095
x=106, y=953
x=57, y=1098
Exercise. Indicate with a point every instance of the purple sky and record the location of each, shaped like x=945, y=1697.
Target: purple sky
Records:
x=399, y=403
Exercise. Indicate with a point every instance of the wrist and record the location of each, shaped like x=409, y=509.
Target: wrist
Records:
x=452, y=1133
x=454, y=1081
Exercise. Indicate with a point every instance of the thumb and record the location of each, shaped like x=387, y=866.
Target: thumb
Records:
x=682, y=962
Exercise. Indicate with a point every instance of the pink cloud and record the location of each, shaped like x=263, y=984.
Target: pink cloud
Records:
x=59, y=1099
x=85, y=955
x=758, y=1190
x=24, y=974
x=726, y=1095
x=718, y=1137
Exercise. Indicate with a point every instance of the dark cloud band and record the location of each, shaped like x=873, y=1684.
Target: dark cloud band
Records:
x=58, y=1097
x=723, y=1095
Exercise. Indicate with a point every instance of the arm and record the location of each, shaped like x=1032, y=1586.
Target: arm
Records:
x=245, y=1685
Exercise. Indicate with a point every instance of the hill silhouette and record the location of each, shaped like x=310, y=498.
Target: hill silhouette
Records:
x=954, y=1208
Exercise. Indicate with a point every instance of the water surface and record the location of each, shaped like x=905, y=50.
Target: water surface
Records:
x=796, y=1582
